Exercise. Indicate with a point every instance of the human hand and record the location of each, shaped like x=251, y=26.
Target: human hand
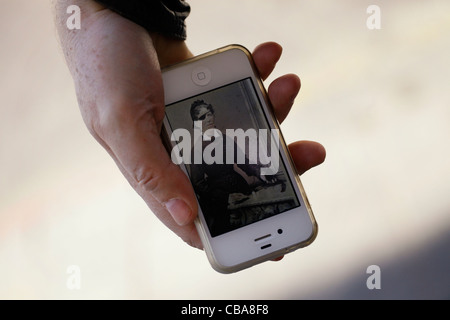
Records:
x=116, y=69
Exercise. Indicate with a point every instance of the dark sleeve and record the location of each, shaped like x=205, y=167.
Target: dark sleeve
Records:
x=163, y=16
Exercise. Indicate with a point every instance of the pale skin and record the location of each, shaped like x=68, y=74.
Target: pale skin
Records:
x=116, y=67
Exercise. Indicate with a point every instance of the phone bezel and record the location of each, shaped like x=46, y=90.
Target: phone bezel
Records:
x=227, y=65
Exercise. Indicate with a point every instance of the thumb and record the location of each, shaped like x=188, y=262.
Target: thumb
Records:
x=139, y=153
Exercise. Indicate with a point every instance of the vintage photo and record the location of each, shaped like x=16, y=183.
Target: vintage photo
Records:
x=228, y=157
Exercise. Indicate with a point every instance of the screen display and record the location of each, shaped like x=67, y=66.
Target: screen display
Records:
x=231, y=155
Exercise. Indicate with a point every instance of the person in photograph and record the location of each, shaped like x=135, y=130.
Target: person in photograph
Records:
x=213, y=183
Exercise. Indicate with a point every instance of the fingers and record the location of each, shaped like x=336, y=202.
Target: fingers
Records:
x=282, y=93
x=278, y=259
x=266, y=56
x=150, y=170
x=306, y=155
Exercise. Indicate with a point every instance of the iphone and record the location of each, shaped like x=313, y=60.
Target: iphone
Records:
x=219, y=127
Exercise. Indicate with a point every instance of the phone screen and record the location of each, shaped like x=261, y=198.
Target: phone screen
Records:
x=231, y=155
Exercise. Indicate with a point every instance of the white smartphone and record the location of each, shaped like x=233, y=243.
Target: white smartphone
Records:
x=220, y=129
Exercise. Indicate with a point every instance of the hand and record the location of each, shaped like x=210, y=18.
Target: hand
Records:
x=116, y=69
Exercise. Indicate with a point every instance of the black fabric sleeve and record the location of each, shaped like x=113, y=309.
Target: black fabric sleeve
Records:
x=163, y=16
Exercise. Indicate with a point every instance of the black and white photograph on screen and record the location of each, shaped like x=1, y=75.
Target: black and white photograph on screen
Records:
x=233, y=157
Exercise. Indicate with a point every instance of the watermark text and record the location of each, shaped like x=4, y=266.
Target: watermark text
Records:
x=262, y=147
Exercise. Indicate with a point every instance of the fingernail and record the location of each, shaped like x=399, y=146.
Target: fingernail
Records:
x=179, y=211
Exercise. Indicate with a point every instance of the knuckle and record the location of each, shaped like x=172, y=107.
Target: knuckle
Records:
x=148, y=180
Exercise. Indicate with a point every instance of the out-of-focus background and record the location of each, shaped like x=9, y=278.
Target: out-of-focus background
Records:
x=378, y=100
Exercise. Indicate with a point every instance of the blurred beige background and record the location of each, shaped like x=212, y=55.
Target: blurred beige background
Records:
x=377, y=99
